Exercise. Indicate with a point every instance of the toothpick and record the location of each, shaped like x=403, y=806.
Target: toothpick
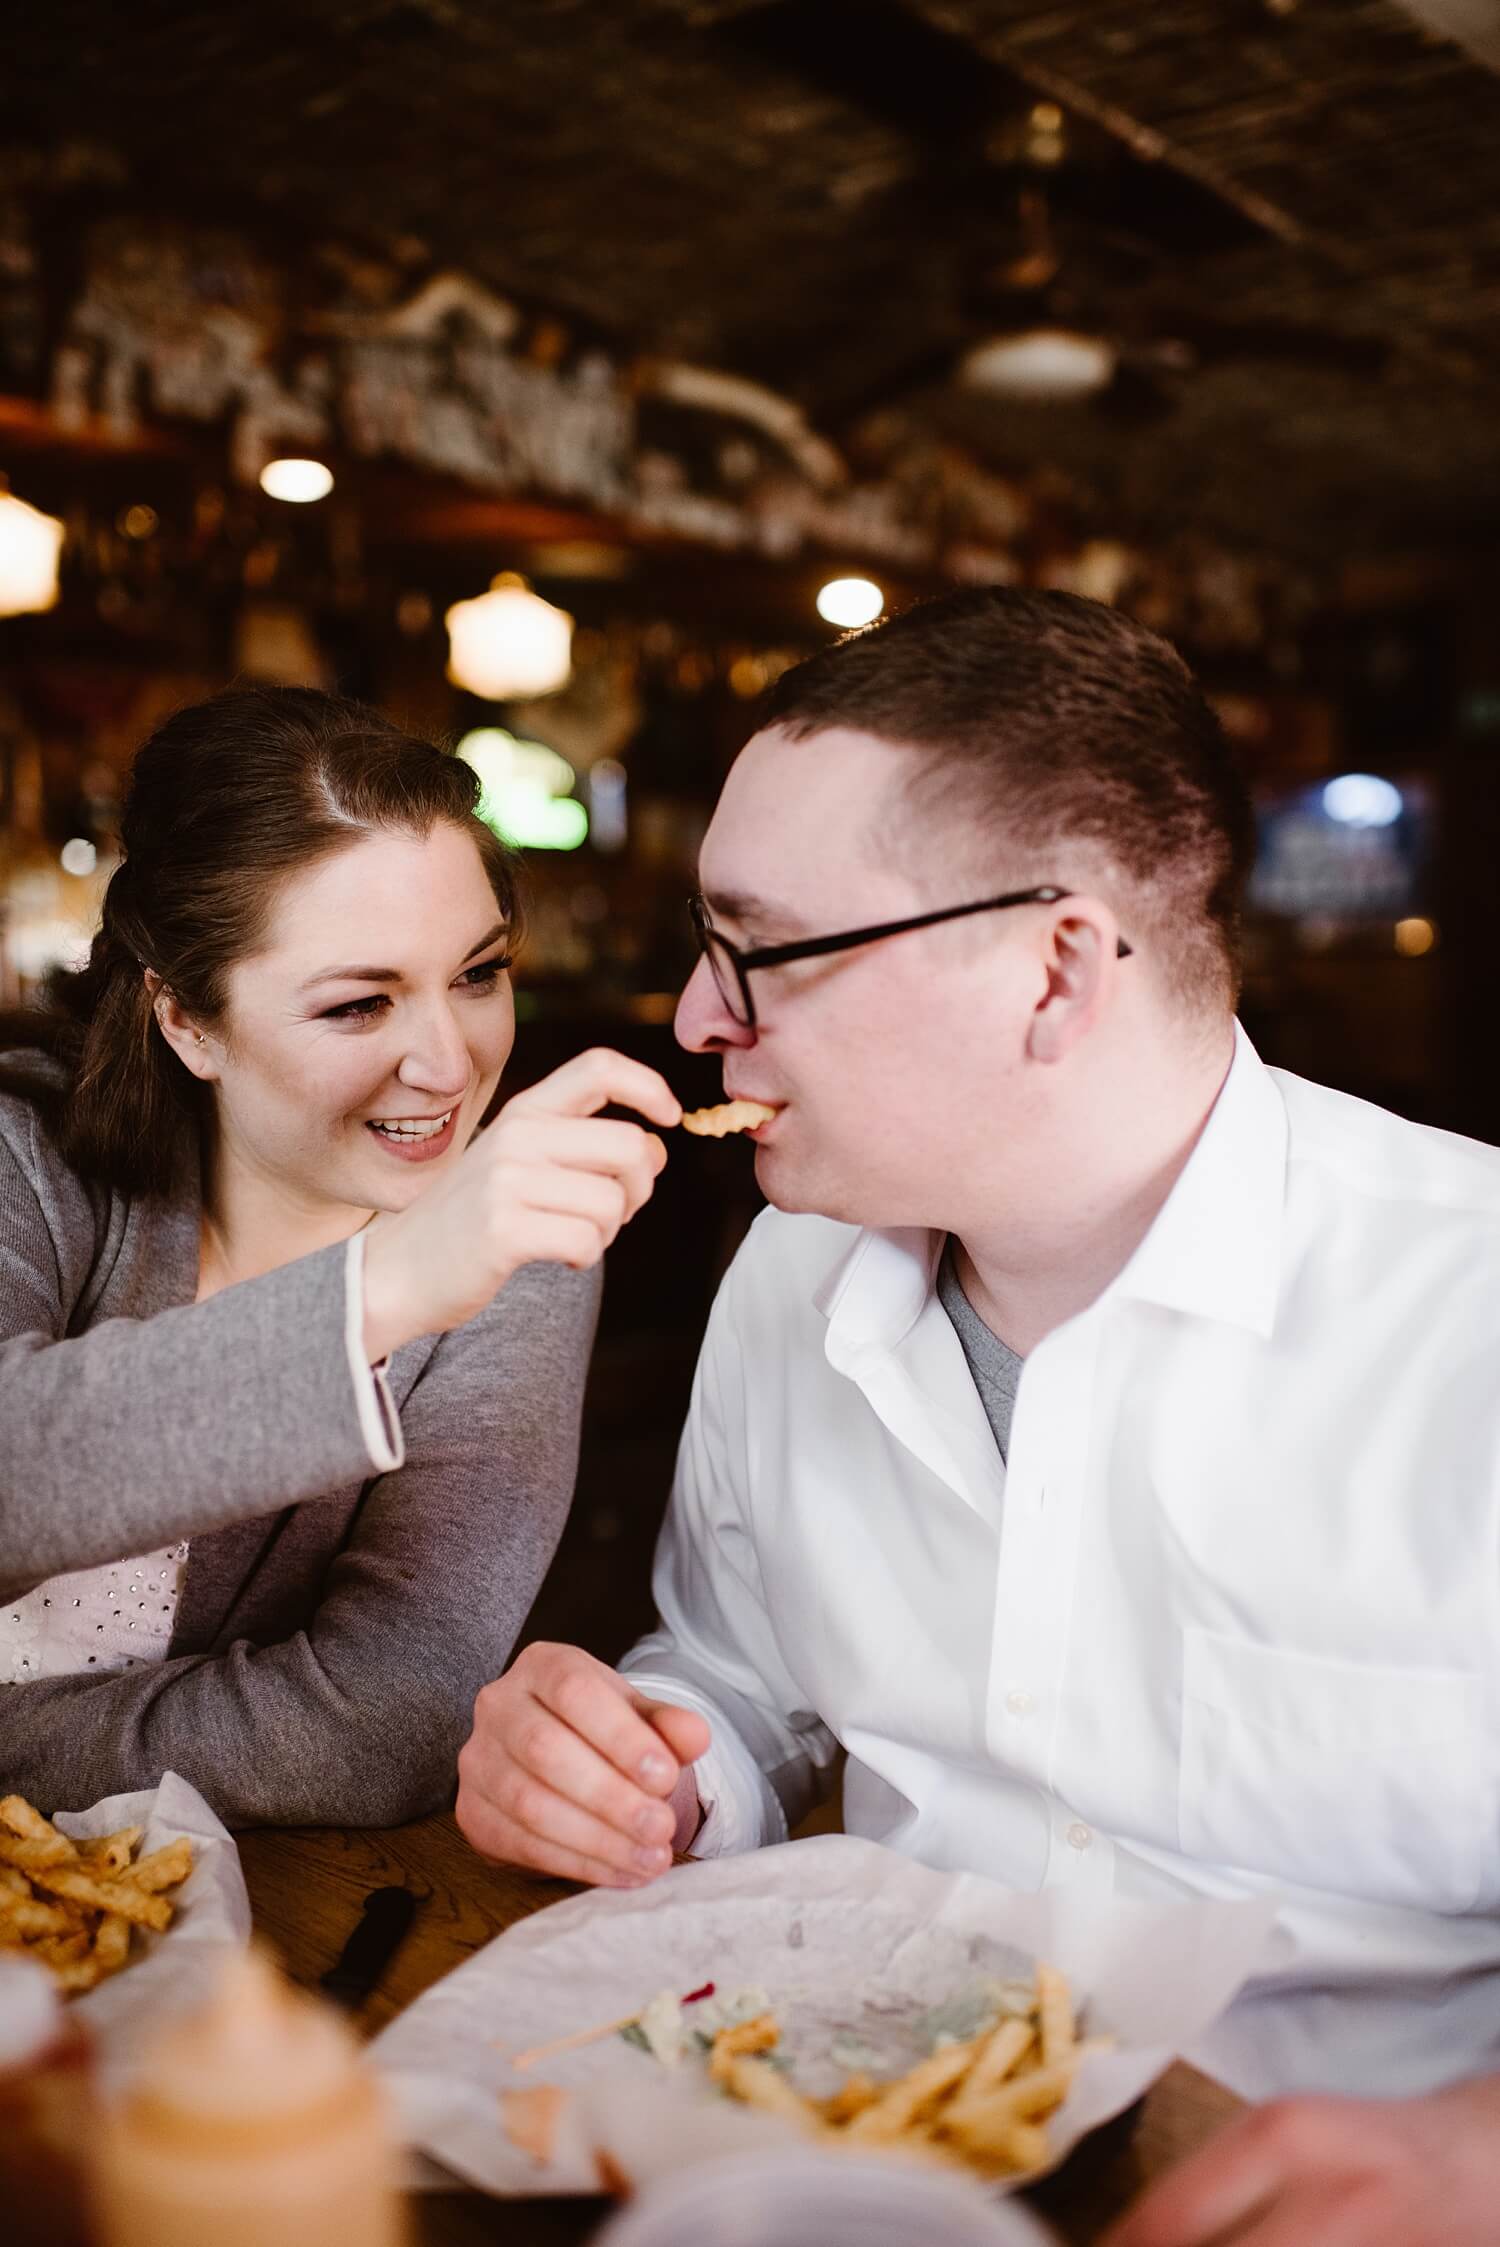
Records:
x=573, y=2043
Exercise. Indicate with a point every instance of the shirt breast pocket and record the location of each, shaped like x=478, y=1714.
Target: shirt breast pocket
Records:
x=1340, y=1775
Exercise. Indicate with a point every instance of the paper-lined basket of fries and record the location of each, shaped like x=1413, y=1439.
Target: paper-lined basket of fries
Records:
x=829, y=1992
x=130, y=1904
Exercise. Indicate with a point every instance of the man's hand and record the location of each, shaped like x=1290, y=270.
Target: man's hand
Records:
x=570, y=1771
x=1337, y=2173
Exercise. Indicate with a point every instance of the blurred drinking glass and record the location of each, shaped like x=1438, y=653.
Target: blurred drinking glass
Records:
x=811, y=2199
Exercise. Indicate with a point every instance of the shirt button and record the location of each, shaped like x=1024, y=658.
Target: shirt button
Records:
x=1018, y=1701
x=1079, y=1836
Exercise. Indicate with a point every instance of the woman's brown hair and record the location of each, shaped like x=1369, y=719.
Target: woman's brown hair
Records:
x=226, y=800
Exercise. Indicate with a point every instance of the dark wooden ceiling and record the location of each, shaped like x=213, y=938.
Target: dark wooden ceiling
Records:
x=1285, y=214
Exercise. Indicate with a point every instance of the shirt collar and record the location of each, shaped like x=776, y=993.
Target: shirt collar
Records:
x=878, y=1290
x=1213, y=1251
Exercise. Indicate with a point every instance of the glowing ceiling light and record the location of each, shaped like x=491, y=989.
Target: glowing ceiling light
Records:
x=78, y=855
x=297, y=480
x=509, y=642
x=1362, y=799
x=1414, y=937
x=30, y=548
x=850, y=602
x=1039, y=363
x=525, y=790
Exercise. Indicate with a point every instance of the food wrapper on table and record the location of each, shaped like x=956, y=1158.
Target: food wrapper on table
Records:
x=170, y=1972
x=864, y=1957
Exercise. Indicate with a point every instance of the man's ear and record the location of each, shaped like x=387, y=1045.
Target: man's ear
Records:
x=1079, y=958
x=193, y=1049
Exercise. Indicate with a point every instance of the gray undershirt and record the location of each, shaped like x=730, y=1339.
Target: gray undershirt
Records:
x=994, y=1365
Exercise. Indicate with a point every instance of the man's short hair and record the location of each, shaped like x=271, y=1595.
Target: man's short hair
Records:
x=1063, y=742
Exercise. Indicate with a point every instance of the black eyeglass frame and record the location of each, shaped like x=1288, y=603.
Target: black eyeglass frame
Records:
x=712, y=941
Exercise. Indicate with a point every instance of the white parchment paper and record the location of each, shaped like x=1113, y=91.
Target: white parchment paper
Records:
x=853, y=1945
x=171, y=1972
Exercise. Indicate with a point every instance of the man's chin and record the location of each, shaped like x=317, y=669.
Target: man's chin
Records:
x=802, y=1196
x=777, y=1183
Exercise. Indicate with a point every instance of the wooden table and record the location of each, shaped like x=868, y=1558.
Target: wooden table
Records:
x=306, y=1890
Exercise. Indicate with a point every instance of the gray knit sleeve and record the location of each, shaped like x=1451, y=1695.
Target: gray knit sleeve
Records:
x=357, y=1719
x=142, y=1431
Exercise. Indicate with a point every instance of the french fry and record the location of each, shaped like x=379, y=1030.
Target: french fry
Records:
x=105, y=1895
x=32, y=1854
x=78, y=1974
x=63, y=1950
x=906, y=2100
x=851, y=2098
x=999, y=2055
x=72, y=1907
x=113, y=1851
x=1025, y=2098
x=1011, y=2148
x=29, y=1825
x=740, y=2042
x=731, y=1116
x=164, y=1868
x=27, y=1915
x=760, y=2085
x=1028, y=2146
x=1005, y=2049
x=1054, y=2005
x=112, y=1942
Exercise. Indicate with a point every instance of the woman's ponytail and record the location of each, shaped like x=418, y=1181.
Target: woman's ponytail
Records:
x=132, y=1100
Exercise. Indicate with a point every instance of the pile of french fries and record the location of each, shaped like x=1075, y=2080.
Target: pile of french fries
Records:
x=982, y=2103
x=73, y=1905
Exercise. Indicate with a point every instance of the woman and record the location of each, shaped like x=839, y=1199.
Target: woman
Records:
x=291, y=1362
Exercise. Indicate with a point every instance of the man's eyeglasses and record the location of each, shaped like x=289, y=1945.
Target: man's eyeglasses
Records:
x=732, y=967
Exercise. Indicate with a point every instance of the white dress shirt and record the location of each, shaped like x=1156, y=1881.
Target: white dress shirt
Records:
x=1230, y=1622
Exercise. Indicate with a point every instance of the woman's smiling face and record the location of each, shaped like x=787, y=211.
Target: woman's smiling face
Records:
x=362, y=1044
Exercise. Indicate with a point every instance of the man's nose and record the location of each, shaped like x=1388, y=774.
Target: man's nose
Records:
x=704, y=1023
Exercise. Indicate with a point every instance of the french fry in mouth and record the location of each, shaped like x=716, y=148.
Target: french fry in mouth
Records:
x=733, y=1115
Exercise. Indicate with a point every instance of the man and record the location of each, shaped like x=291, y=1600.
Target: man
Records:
x=1099, y=1438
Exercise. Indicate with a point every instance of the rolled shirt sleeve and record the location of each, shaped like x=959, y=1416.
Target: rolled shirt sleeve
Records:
x=379, y=1421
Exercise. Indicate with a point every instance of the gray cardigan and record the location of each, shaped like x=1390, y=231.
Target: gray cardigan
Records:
x=335, y=1624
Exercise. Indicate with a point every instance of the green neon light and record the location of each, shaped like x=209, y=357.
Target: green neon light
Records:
x=523, y=791
x=527, y=816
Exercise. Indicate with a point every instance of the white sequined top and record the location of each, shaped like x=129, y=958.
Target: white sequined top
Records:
x=101, y=1619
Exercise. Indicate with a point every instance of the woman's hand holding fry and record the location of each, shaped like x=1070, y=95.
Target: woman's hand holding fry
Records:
x=549, y=1181
x=570, y=1771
